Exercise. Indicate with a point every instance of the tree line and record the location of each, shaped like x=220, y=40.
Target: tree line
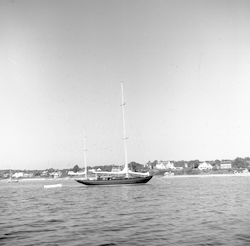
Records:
x=134, y=166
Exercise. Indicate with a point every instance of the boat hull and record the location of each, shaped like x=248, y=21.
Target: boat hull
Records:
x=52, y=186
x=124, y=181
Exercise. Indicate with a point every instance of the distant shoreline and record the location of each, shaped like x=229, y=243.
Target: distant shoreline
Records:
x=38, y=179
x=208, y=175
x=156, y=176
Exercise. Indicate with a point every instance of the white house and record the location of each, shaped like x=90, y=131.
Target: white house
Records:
x=160, y=166
x=165, y=165
x=44, y=173
x=55, y=174
x=28, y=175
x=17, y=175
x=205, y=166
x=226, y=165
x=115, y=169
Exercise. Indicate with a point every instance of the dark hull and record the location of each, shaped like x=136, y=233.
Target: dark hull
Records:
x=137, y=180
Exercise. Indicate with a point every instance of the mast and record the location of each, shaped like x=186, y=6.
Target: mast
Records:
x=85, y=157
x=124, y=133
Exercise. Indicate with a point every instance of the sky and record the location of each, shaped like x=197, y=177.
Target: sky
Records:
x=184, y=66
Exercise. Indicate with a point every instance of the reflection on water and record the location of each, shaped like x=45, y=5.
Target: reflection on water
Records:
x=175, y=211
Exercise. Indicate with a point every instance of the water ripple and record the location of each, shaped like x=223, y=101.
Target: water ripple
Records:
x=178, y=211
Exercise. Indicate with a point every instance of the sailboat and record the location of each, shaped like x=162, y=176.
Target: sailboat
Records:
x=120, y=177
x=10, y=180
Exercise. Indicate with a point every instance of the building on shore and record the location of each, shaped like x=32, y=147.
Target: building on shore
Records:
x=205, y=166
x=226, y=165
x=165, y=165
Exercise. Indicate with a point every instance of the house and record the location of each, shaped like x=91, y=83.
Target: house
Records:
x=165, y=165
x=205, y=166
x=226, y=165
x=56, y=175
x=160, y=166
x=116, y=169
x=28, y=175
x=71, y=173
x=44, y=173
x=17, y=175
x=6, y=175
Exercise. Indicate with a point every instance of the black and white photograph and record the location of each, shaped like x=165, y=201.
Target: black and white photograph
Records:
x=125, y=122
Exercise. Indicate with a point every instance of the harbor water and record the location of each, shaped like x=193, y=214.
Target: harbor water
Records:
x=166, y=211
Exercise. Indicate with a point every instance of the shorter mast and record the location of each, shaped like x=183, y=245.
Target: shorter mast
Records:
x=85, y=157
x=124, y=133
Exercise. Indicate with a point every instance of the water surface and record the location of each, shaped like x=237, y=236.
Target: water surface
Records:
x=166, y=211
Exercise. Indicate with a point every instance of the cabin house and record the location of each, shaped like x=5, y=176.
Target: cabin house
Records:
x=226, y=165
x=205, y=166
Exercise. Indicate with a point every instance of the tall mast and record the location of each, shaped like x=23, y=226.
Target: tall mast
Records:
x=124, y=132
x=85, y=158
